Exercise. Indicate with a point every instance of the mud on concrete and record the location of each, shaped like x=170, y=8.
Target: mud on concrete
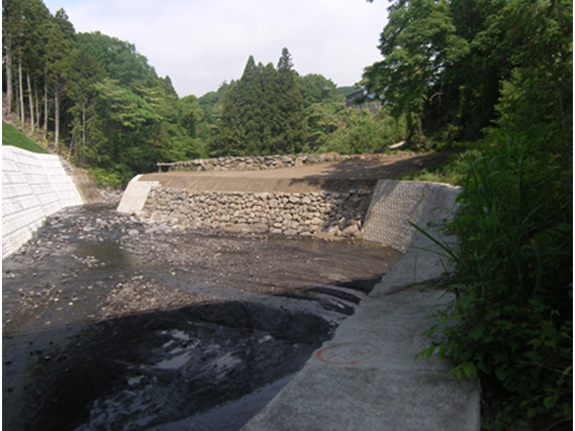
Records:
x=113, y=324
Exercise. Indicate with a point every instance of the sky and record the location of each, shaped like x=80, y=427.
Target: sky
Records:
x=200, y=44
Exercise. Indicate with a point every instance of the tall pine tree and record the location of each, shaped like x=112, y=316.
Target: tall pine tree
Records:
x=288, y=125
x=263, y=111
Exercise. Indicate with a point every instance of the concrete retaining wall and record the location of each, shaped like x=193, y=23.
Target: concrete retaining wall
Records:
x=34, y=186
x=397, y=204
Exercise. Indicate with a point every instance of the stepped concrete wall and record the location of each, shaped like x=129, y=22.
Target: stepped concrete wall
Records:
x=34, y=186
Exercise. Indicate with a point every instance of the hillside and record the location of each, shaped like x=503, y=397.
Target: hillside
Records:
x=12, y=136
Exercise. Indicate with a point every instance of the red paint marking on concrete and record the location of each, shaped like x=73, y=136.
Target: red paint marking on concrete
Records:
x=350, y=353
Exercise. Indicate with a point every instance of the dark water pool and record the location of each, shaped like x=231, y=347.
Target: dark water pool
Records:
x=113, y=324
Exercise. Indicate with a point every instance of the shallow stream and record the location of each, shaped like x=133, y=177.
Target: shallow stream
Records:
x=113, y=324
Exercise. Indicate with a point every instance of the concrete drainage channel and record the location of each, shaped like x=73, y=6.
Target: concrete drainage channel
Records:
x=112, y=323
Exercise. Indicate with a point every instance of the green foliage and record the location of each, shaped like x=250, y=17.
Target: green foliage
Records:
x=262, y=112
x=536, y=96
x=115, y=178
x=211, y=105
x=512, y=322
x=316, y=89
x=359, y=131
x=120, y=59
x=454, y=171
x=322, y=120
x=105, y=104
x=12, y=136
x=418, y=44
x=345, y=91
x=287, y=106
x=521, y=50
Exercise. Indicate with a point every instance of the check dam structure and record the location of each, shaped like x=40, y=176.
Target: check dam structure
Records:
x=366, y=376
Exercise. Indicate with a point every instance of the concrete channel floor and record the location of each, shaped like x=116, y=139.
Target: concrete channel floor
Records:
x=367, y=378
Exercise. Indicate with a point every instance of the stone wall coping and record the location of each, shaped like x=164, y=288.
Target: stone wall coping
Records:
x=255, y=163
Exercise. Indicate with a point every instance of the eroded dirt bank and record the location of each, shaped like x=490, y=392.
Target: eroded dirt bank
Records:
x=109, y=323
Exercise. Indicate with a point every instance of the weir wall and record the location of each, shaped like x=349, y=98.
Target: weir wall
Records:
x=34, y=186
x=382, y=213
x=325, y=212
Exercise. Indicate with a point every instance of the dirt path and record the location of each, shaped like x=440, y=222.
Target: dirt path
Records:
x=326, y=176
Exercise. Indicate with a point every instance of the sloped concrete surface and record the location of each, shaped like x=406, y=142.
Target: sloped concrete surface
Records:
x=367, y=377
x=34, y=186
x=397, y=203
x=135, y=195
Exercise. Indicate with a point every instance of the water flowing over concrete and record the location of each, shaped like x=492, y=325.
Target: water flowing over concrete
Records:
x=34, y=186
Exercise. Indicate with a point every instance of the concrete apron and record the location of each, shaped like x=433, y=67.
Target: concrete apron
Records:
x=367, y=377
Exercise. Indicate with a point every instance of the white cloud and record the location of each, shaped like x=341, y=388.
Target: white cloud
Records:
x=201, y=43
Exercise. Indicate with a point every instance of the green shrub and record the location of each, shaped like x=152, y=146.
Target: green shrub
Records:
x=114, y=178
x=454, y=171
x=513, y=313
x=352, y=131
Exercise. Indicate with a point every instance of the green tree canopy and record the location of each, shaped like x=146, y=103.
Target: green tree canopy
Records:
x=316, y=88
x=447, y=63
x=262, y=111
x=418, y=44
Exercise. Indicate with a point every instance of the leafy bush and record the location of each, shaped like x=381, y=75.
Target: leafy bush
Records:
x=114, y=178
x=359, y=131
x=454, y=171
x=513, y=313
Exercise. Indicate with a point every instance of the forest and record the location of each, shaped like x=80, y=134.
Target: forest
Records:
x=95, y=100
x=491, y=79
x=495, y=77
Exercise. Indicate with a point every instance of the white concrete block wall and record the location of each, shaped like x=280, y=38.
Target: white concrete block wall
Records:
x=34, y=186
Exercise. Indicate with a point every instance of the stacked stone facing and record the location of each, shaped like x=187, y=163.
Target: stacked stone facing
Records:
x=260, y=163
x=338, y=214
x=255, y=163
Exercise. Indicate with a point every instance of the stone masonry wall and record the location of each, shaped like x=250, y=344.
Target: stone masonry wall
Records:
x=258, y=163
x=329, y=213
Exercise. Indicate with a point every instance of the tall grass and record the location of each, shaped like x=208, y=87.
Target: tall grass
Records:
x=513, y=316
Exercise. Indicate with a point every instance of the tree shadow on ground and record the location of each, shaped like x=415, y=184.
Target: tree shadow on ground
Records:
x=362, y=171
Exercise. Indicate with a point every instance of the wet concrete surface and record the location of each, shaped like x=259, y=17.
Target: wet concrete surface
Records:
x=113, y=324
